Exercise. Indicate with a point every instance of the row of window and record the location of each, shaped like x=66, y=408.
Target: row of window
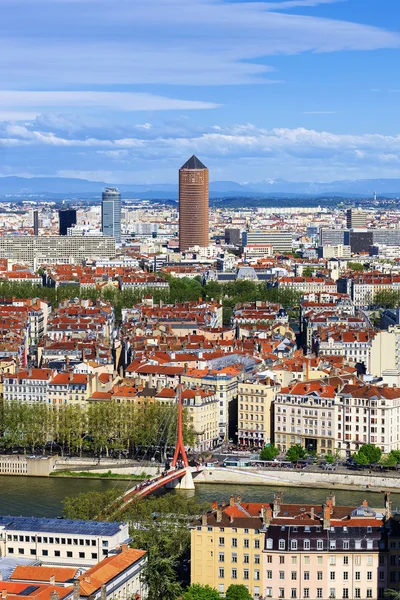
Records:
x=246, y=543
x=332, y=560
x=234, y=574
x=54, y=540
x=234, y=558
x=345, y=544
x=320, y=575
x=57, y=553
x=319, y=593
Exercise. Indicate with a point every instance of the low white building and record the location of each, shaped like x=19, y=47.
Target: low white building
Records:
x=60, y=541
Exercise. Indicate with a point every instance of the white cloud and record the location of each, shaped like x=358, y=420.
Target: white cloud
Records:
x=117, y=101
x=202, y=42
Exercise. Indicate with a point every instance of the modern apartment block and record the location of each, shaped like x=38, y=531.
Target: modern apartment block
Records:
x=111, y=213
x=356, y=218
x=281, y=241
x=298, y=551
x=60, y=541
x=193, y=204
x=37, y=250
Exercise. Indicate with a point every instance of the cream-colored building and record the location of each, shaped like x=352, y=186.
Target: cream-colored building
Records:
x=203, y=408
x=60, y=249
x=255, y=412
x=225, y=383
x=305, y=414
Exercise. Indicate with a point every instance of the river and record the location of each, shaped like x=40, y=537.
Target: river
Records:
x=43, y=497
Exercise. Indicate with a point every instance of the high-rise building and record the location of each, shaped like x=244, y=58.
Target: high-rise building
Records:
x=356, y=219
x=67, y=218
x=35, y=222
x=193, y=204
x=111, y=213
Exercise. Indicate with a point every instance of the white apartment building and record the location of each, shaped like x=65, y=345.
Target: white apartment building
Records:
x=304, y=414
x=367, y=414
x=60, y=541
x=62, y=249
x=30, y=385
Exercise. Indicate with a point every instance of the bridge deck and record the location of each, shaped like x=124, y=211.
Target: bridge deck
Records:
x=143, y=489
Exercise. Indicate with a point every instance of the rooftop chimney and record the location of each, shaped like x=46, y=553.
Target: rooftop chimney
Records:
x=52, y=580
x=204, y=520
x=312, y=513
x=326, y=510
x=219, y=514
x=232, y=501
x=4, y=593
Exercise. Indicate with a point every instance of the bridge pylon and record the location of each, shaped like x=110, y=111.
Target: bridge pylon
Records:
x=186, y=483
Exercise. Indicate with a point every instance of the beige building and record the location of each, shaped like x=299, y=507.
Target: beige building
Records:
x=226, y=548
x=305, y=414
x=203, y=409
x=255, y=412
x=62, y=249
x=225, y=383
x=296, y=551
x=385, y=353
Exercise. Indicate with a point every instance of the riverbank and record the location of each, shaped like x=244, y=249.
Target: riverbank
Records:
x=304, y=479
x=100, y=475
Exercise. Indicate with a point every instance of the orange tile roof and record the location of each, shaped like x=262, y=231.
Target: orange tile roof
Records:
x=36, y=573
x=107, y=569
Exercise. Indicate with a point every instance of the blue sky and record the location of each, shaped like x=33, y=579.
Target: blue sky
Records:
x=126, y=90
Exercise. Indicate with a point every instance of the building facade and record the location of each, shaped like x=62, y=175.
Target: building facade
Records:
x=111, y=213
x=193, y=204
x=67, y=218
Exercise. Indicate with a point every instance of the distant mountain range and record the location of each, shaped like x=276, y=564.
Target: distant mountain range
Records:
x=68, y=187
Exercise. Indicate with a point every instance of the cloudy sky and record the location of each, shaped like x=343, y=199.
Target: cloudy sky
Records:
x=124, y=91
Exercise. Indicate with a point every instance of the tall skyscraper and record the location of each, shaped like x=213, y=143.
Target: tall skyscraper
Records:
x=35, y=222
x=111, y=213
x=193, y=204
x=67, y=218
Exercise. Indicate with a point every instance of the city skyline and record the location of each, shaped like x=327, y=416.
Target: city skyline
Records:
x=296, y=89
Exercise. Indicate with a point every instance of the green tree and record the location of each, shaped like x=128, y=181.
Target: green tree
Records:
x=238, y=592
x=91, y=505
x=392, y=594
x=368, y=454
x=200, y=592
x=387, y=299
x=269, y=452
x=160, y=578
x=355, y=266
x=330, y=459
x=295, y=453
x=308, y=271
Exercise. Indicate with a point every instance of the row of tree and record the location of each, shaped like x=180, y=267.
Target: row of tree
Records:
x=180, y=290
x=101, y=427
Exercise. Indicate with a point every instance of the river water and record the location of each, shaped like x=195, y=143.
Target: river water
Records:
x=43, y=497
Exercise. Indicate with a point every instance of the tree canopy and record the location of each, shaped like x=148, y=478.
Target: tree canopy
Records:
x=200, y=592
x=238, y=592
x=269, y=452
x=296, y=453
x=368, y=454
